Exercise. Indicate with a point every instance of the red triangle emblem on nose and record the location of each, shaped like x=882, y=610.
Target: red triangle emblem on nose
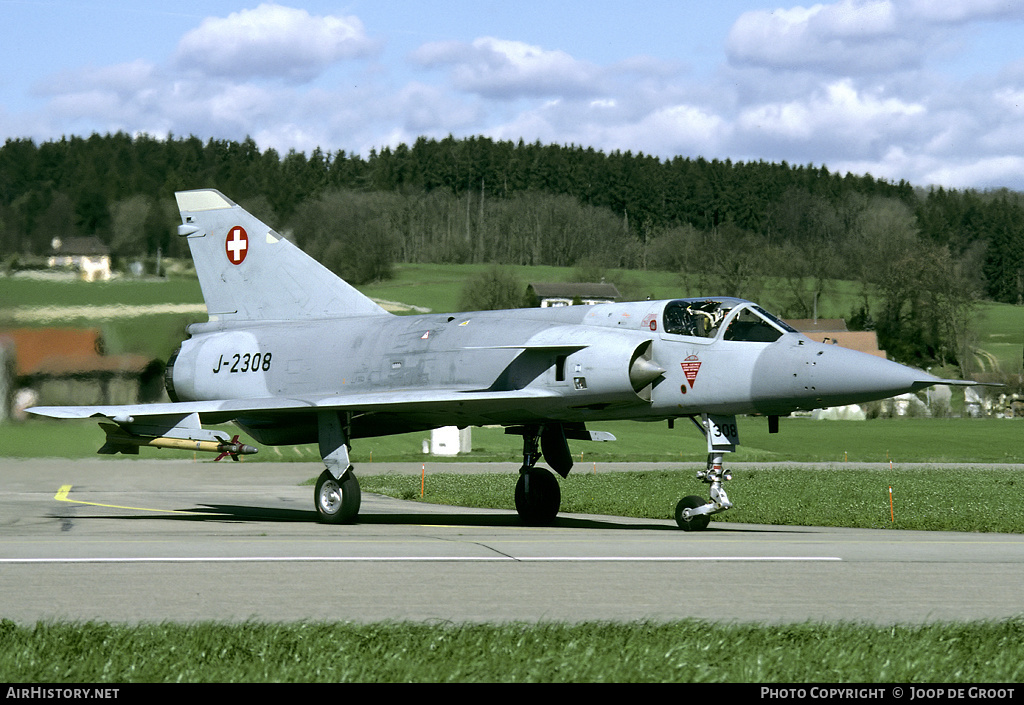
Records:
x=691, y=366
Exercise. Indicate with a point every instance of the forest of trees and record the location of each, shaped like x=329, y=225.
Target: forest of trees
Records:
x=927, y=255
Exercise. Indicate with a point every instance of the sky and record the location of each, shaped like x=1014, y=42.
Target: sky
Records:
x=927, y=91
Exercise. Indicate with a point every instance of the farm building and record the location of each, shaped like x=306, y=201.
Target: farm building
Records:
x=86, y=254
x=834, y=331
x=67, y=366
x=569, y=293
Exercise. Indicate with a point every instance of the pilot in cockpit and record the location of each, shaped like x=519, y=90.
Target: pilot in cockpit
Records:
x=699, y=319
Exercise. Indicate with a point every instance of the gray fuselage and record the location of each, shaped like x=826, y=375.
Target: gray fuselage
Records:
x=577, y=359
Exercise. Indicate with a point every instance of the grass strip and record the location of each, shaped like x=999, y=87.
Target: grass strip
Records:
x=684, y=651
x=687, y=651
x=934, y=499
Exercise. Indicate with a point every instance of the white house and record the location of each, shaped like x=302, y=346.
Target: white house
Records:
x=86, y=254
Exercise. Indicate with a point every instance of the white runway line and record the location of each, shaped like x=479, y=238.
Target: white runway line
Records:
x=427, y=559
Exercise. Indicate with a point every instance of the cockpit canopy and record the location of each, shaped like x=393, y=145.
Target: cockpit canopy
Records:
x=708, y=318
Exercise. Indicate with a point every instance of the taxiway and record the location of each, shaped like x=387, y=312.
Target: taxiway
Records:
x=166, y=540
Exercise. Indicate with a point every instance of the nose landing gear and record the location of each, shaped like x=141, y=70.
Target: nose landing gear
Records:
x=692, y=512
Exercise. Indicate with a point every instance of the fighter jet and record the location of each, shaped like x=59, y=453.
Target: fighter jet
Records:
x=293, y=354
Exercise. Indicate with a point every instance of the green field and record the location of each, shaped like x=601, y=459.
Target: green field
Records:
x=679, y=652
x=69, y=303
x=16, y=292
x=1000, y=330
x=903, y=440
x=923, y=498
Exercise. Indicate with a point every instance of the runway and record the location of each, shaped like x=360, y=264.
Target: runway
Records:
x=166, y=540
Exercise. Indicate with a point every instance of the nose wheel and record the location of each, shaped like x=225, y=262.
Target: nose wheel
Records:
x=693, y=513
x=687, y=520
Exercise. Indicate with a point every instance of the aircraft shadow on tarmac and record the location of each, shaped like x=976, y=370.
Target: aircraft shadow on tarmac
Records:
x=242, y=513
x=220, y=512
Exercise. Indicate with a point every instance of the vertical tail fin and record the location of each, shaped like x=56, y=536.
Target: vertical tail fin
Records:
x=250, y=273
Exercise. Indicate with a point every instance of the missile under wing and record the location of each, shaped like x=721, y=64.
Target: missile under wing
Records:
x=293, y=354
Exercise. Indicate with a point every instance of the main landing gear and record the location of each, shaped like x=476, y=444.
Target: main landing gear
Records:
x=538, y=495
x=337, y=500
x=337, y=496
x=692, y=512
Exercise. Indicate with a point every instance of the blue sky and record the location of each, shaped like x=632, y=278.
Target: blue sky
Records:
x=931, y=91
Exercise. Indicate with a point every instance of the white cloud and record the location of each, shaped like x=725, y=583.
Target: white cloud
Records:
x=924, y=169
x=853, y=37
x=1010, y=99
x=681, y=129
x=272, y=41
x=667, y=131
x=120, y=79
x=986, y=172
x=242, y=106
x=499, y=68
x=848, y=37
x=109, y=98
x=841, y=110
x=427, y=109
x=962, y=11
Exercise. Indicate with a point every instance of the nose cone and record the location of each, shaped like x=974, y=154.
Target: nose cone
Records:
x=843, y=376
x=798, y=373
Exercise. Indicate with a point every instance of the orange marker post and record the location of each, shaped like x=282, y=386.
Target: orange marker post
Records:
x=892, y=516
x=423, y=478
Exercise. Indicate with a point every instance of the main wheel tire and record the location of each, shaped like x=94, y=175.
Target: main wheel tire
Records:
x=337, y=501
x=695, y=523
x=538, y=497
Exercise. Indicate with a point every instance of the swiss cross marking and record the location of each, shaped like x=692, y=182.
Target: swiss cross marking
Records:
x=236, y=245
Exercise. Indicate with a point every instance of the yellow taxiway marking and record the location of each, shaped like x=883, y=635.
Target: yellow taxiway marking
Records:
x=62, y=496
